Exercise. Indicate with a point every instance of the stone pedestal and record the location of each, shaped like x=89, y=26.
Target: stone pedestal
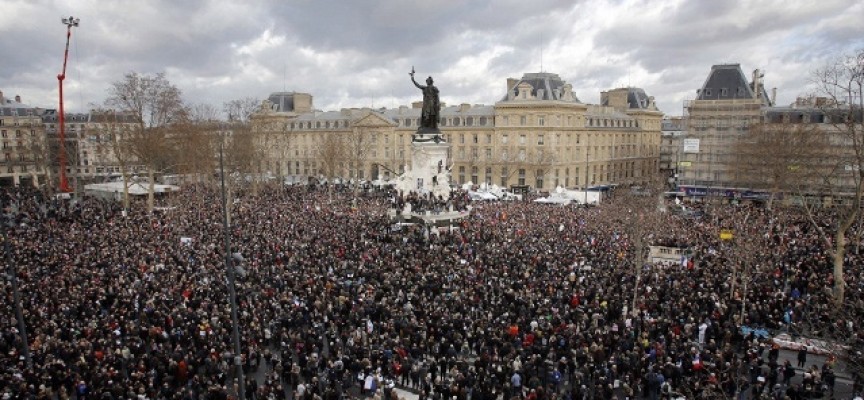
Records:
x=429, y=164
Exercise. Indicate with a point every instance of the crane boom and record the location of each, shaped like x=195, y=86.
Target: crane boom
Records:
x=61, y=152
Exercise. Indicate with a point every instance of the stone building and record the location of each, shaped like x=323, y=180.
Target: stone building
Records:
x=539, y=136
x=738, y=145
x=23, y=161
x=724, y=109
x=672, y=131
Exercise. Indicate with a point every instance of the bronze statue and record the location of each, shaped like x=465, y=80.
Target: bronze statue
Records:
x=431, y=104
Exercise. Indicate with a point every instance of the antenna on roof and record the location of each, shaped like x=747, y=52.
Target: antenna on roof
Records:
x=541, y=51
x=284, y=76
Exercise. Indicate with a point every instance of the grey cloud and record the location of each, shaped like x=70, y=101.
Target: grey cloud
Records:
x=354, y=51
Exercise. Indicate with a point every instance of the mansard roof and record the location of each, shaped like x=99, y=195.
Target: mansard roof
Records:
x=725, y=82
x=637, y=99
x=728, y=82
x=544, y=86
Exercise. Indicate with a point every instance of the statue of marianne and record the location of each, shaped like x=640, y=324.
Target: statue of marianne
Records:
x=431, y=104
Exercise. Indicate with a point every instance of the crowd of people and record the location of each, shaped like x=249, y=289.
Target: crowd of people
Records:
x=420, y=203
x=519, y=301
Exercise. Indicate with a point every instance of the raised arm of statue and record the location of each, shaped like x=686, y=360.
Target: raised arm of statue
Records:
x=419, y=86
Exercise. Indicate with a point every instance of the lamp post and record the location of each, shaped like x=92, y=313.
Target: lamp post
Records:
x=587, y=150
x=19, y=314
x=229, y=264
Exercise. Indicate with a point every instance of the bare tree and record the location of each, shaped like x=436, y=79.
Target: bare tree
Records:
x=196, y=146
x=241, y=110
x=332, y=152
x=249, y=146
x=38, y=152
x=777, y=156
x=203, y=113
x=542, y=160
x=358, y=148
x=639, y=214
x=156, y=104
x=112, y=133
x=509, y=160
x=842, y=84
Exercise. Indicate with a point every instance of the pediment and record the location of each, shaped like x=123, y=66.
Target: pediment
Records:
x=373, y=120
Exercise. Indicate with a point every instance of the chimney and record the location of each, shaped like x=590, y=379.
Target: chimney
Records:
x=756, y=83
x=18, y=99
x=2, y=101
x=511, y=86
x=773, y=96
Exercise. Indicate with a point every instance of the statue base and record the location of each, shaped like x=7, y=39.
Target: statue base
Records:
x=425, y=134
x=429, y=165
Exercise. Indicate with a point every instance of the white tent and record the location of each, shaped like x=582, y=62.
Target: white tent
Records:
x=482, y=196
x=114, y=190
x=563, y=196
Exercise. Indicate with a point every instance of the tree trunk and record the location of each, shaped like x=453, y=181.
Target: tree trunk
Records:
x=125, y=188
x=151, y=177
x=839, y=254
x=771, y=199
x=255, y=180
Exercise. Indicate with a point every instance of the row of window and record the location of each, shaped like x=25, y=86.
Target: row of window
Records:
x=540, y=120
x=613, y=172
x=612, y=123
x=21, y=168
x=8, y=157
x=17, y=123
x=18, y=133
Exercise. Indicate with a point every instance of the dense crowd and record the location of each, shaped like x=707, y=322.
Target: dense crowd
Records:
x=520, y=301
x=428, y=202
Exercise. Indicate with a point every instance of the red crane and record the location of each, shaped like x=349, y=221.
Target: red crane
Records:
x=64, y=183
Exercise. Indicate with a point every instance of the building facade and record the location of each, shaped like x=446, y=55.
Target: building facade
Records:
x=538, y=136
x=672, y=131
x=23, y=160
x=91, y=151
x=724, y=109
x=737, y=144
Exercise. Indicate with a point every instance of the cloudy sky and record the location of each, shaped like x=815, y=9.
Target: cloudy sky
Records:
x=357, y=53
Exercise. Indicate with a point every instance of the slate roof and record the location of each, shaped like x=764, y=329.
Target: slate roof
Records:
x=11, y=108
x=545, y=81
x=51, y=116
x=284, y=101
x=726, y=82
x=637, y=99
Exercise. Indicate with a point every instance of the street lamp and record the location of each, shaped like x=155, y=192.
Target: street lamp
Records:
x=229, y=265
x=19, y=314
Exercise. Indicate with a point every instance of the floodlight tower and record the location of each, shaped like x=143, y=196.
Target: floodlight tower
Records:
x=64, y=183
